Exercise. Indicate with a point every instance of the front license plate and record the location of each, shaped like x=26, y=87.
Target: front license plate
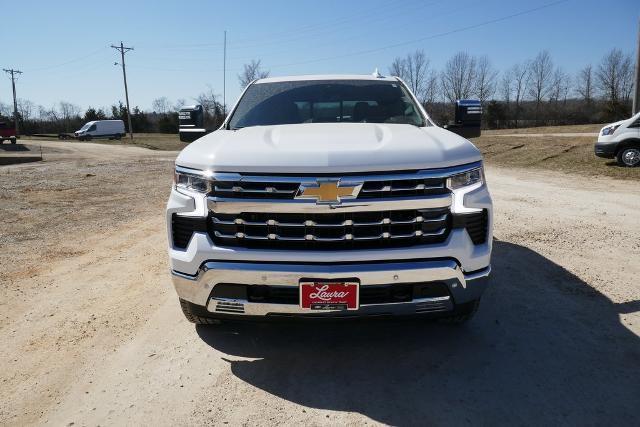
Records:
x=329, y=295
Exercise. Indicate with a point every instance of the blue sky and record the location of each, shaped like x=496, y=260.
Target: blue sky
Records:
x=63, y=47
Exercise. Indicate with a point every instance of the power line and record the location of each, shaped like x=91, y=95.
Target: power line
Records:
x=62, y=64
x=433, y=36
x=238, y=44
x=13, y=74
x=122, y=49
x=391, y=46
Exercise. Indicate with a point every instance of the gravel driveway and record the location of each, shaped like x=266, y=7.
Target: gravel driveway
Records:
x=91, y=332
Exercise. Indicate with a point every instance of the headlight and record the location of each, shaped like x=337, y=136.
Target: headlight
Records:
x=191, y=181
x=609, y=130
x=466, y=179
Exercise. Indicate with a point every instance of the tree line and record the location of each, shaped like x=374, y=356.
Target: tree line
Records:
x=535, y=92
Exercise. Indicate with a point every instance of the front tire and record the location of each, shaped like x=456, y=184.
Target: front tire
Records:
x=13, y=140
x=193, y=317
x=629, y=157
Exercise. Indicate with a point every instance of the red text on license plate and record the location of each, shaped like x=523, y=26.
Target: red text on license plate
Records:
x=329, y=295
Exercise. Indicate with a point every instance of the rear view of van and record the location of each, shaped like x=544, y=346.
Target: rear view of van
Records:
x=112, y=129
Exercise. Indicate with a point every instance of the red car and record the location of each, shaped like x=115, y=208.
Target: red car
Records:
x=7, y=132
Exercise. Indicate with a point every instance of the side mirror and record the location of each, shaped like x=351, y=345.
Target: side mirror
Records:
x=468, y=118
x=191, y=120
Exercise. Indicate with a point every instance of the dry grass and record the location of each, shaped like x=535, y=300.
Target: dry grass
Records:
x=152, y=141
x=563, y=154
x=590, y=128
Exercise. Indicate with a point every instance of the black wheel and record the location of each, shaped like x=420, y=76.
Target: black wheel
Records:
x=118, y=136
x=462, y=314
x=629, y=156
x=13, y=140
x=193, y=315
x=88, y=138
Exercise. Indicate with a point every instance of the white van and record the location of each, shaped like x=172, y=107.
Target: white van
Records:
x=621, y=141
x=112, y=129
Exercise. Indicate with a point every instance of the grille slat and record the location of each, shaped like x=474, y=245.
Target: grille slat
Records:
x=355, y=230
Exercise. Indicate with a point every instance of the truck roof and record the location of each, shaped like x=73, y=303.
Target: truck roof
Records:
x=326, y=77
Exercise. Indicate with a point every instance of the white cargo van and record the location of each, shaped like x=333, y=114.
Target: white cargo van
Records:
x=112, y=129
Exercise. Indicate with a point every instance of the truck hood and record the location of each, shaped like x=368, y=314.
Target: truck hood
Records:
x=312, y=148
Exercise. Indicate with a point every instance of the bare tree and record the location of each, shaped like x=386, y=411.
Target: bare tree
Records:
x=627, y=73
x=25, y=108
x=517, y=76
x=584, y=84
x=414, y=69
x=612, y=74
x=431, y=88
x=505, y=87
x=486, y=78
x=540, y=78
x=559, y=88
x=180, y=102
x=212, y=108
x=459, y=76
x=161, y=105
x=208, y=100
x=251, y=72
x=5, y=110
x=398, y=68
x=68, y=111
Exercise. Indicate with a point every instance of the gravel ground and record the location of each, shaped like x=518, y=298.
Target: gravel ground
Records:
x=92, y=333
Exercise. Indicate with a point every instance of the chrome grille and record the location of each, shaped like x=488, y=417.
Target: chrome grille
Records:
x=257, y=187
x=229, y=307
x=402, y=188
x=331, y=231
x=255, y=190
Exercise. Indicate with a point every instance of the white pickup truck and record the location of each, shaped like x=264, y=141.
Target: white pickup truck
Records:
x=329, y=196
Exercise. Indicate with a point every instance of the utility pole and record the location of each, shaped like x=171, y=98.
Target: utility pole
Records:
x=15, y=102
x=636, y=86
x=224, y=77
x=124, y=50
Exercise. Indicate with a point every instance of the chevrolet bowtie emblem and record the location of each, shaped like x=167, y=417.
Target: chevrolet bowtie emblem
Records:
x=329, y=191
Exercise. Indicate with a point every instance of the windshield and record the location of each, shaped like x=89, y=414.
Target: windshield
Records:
x=85, y=127
x=325, y=101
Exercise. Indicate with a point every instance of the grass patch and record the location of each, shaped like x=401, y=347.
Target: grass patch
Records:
x=590, y=128
x=152, y=141
x=563, y=154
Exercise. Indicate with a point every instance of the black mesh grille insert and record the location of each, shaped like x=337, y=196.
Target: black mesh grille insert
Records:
x=475, y=223
x=183, y=227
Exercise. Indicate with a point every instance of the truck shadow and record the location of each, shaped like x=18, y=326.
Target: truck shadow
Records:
x=544, y=347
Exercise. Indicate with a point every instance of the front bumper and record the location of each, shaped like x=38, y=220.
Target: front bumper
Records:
x=606, y=149
x=463, y=287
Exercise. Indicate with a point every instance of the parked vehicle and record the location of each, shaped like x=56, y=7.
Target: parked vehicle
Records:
x=621, y=141
x=112, y=129
x=7, y=133
x=327, y=196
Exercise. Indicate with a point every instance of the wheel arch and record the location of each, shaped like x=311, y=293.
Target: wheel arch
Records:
x=626, y=143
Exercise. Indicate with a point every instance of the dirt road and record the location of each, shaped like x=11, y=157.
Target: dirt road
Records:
x=91, y=332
